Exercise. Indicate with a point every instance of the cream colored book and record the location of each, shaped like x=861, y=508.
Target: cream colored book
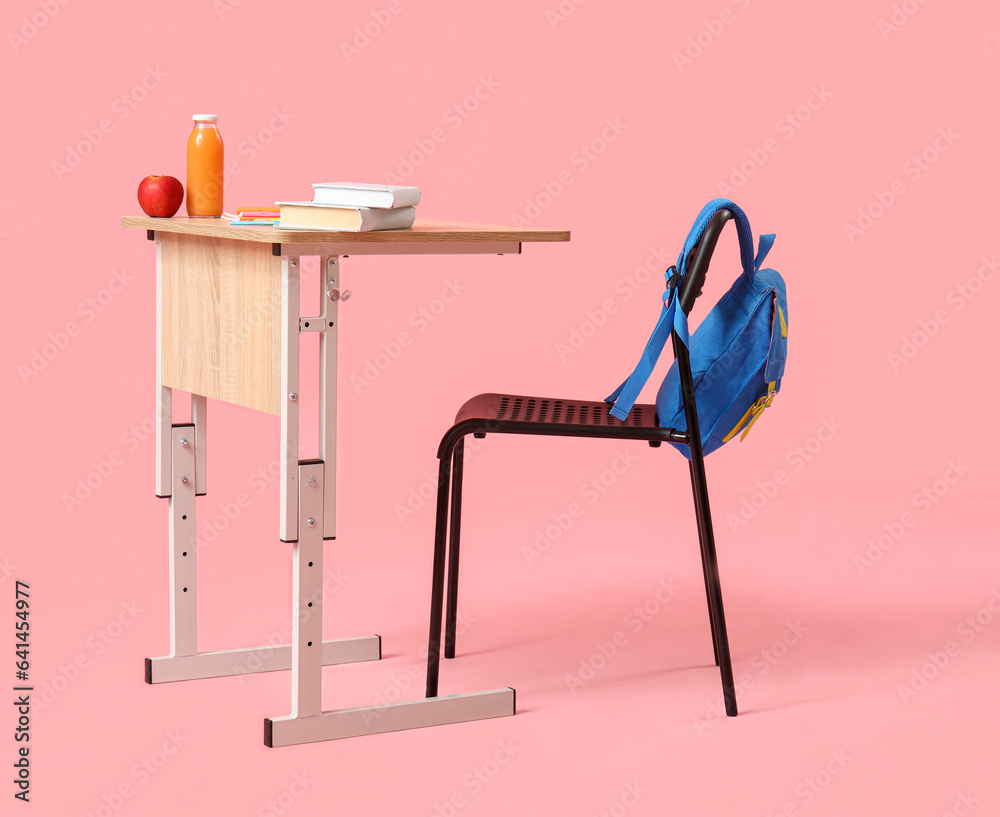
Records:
x=309, y=215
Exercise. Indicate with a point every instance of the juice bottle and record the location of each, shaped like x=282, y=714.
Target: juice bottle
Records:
x=204, y=167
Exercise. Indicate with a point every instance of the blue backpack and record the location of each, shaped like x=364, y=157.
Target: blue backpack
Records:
x=737, y=353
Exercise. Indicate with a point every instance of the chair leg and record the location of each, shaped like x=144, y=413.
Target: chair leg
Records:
x=710, y=563
x=451, y=613
x=704, y=562
x=437, y=585
x=714, y=587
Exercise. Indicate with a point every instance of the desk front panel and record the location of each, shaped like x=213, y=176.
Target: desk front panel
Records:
x=221, y=319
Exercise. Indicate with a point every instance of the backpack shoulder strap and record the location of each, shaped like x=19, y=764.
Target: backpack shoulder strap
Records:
x=672, y=318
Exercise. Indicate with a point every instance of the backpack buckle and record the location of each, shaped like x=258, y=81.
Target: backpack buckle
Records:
x=672, y=281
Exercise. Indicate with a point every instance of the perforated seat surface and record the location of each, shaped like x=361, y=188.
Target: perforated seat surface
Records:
x=553, y=411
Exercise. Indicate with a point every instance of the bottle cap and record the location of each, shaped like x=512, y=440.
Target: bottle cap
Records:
x=206, y=117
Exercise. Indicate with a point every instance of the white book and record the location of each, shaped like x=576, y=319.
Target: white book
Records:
x=352, y=194
x=311, y=215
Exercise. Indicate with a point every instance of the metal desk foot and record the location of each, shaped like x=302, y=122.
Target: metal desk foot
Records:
x=219, y=664
x=395, y=717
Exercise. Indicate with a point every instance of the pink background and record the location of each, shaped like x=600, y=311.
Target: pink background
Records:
x=890, y=325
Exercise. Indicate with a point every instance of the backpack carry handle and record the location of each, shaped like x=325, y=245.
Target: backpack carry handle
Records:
x=701, y=228
x=701, y=225
x=693, y=283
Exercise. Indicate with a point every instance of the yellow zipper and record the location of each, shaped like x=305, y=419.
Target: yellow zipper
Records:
x=752, y=414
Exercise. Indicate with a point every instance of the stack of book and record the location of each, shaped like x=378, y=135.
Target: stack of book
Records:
x=352, y=207
x=253, y=216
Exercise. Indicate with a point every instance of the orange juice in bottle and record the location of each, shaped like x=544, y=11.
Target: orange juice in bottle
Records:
x=204, y=167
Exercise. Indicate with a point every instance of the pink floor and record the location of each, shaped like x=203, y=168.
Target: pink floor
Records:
x=863, y=690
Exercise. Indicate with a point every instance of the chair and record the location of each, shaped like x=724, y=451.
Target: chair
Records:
x=520, y=414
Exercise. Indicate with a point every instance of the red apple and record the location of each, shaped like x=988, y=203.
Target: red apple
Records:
x=160, y=196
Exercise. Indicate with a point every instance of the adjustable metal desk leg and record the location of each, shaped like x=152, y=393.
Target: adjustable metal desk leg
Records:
x=181, y=475
x=289, y=456
x=307, y=595
x=308, y=723
x=308, y=653
x=183, y=574
x=199, y=419
x=330, y=297
x=308, y=503
x=163, y=416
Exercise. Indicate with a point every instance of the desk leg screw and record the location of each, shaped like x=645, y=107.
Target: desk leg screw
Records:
x=184, y=443
x=293, y=397
x=311, y=522
x=312, y=482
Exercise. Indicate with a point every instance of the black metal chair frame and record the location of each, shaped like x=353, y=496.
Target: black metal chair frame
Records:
x=518, y=414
